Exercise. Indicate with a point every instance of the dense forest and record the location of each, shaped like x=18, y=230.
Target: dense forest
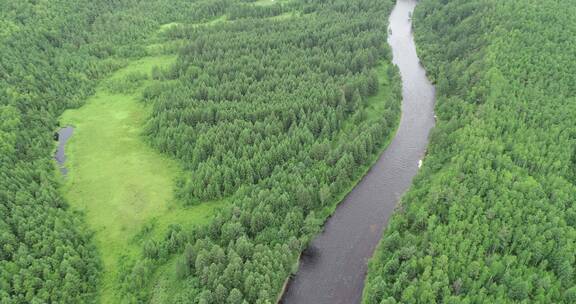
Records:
x=275, y=111
x=52, y=56
x=491, y=217
x=279, y=106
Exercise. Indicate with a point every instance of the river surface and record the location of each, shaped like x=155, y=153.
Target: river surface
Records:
x=333, y=268
x=63, y=135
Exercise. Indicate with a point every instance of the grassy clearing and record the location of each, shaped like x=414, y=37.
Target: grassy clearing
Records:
x=167, y=26
x=116, y=179
x=121, y=184
x=212, y=22
x=159, y=44
x=286, y=15
x=268, y=2
x=376, y=105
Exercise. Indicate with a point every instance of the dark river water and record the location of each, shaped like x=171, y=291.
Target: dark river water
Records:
x=63, y=135
x=333, y=268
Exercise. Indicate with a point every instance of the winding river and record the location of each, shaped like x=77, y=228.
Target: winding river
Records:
x=333, y=268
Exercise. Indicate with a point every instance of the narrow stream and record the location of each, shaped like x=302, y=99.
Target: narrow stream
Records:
x=63, y=135
x=333, y=268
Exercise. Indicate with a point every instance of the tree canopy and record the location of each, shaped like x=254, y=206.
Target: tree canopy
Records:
x=279, y=107
x=490, y=218
x=275, y=109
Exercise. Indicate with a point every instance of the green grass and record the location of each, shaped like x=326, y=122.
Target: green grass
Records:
x=212, y=22
x=375, y=106
x=166, y=284
x=122, y=184
x=268, y=2
x=117, y=179
x=167, y=26
x=286, y=15
x=159, y=44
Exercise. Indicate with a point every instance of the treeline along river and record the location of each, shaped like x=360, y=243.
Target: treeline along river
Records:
x=333, y=268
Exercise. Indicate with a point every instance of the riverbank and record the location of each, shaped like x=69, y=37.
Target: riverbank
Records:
x=122, y=185
x=377, y=105
x=336, y=271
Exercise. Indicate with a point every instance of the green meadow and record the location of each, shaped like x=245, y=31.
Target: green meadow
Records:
x=115, y=178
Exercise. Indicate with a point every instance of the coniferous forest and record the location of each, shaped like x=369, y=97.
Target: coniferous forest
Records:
x=490, y=218
x=262, y=115
x=277, y=108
